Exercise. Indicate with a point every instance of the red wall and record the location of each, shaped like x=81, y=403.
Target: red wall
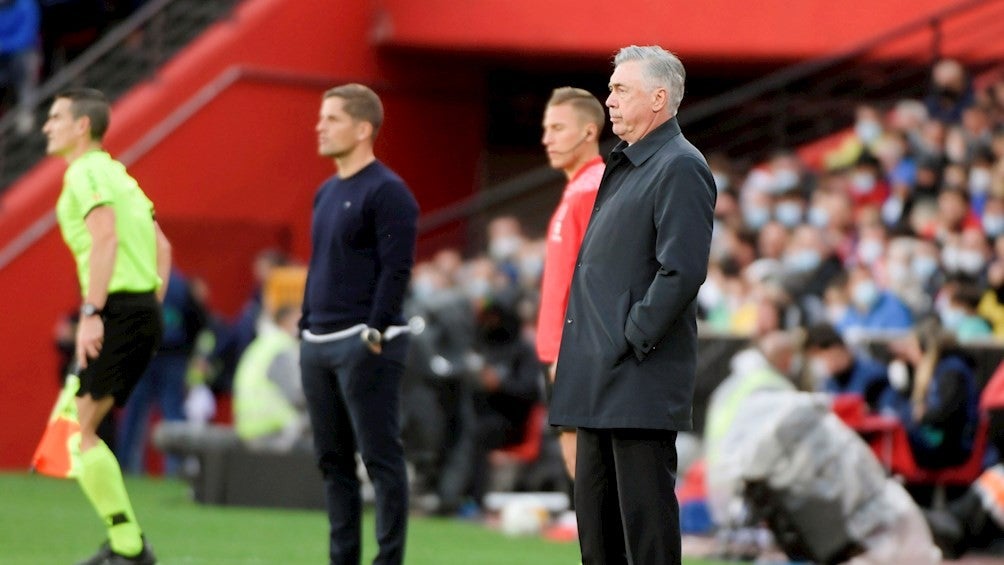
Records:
x=238, y=174
x=765, y=30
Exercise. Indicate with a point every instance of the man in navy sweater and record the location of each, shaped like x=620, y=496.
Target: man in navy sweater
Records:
x=354, y=338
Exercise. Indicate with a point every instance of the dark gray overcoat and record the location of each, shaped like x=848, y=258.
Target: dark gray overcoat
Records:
x=629, y=347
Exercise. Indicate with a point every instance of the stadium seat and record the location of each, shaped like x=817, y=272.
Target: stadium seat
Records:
x=528, y=450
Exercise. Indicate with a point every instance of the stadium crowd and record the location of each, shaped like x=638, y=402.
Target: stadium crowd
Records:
x=38, y=37
x=899, y=223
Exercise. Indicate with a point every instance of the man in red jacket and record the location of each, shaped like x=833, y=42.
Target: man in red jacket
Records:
x=573, y=121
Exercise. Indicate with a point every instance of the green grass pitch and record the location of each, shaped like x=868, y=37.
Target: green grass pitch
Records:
x=44, y=520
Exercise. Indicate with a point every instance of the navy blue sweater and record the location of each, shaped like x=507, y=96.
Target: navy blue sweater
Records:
x=363, y=238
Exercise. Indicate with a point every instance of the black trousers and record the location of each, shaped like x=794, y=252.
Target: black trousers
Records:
x=625, y=499
x=354, y=402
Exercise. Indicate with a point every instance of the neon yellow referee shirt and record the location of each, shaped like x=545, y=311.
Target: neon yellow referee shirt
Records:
x=95, y=179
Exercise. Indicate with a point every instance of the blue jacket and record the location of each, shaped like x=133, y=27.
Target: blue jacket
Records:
x=888, y=313
x=19, y=26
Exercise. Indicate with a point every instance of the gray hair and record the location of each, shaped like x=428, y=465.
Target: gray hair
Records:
x=661, y=68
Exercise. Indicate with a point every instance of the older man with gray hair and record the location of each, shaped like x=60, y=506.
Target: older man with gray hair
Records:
x=628, y=354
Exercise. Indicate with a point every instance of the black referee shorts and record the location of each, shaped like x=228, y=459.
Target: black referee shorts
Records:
x=133, y=330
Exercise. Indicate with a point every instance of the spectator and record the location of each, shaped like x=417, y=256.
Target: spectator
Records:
x=270, y=411
x=809, y=266
x=238, y=335
x=991, y=306
x=873, y=309
x=960, y=317
x=835, y=369
x=436, y=370
x=975, y=520
x=951, y=92
x=163, y=382
x=506, y=385
x=19, y=58
x=767, y=366
x=936, y=396
x=869, y=187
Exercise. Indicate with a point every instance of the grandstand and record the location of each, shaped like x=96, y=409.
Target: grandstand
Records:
x=215, y=103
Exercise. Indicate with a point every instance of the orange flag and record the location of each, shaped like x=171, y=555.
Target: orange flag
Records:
x=58, y=450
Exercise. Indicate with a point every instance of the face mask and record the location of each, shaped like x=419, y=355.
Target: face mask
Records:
x=951, y=318
x=819, y=217
x=970, y=262
x=501, y=248
x=864, y=294
x=802, y=261
x=993, y=225
x=892, y=211
x=835, y=313
x=819, y=373
x=709, y=296
x=980, y=180
x=477, y=288
x=950, y=258
x=785, y=180
x=870, y=250
x=721, y=181
x=868, y=131
x=923, y=266
x=423, y=288
x=862, y=182
x=899, y=375
x=755, y=217
x=898, y=272
x=788, y=213
x=531, y=266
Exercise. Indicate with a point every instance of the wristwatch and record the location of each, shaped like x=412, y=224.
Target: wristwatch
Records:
x=87, y=309
x=371, y=336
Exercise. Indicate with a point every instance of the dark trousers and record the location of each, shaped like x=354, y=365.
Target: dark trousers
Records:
x=625, y=500
x=354, y=402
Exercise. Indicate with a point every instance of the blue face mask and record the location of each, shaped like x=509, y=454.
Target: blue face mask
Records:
x=951, y=318
x=868, y=131
x=802, y=261
x=819, y=217
x=755, y=217
x=993, y=225
x=923, y=266
x=864, y=294
x=788, y=213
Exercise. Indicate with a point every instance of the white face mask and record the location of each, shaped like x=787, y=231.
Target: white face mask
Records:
x=710, y=295
x=892, y=210
x=862, y=182
x=819, y=217
x=868, y=131
x=980, y=180
x=788, y=213
x=993, y=224
x=819, y=373
x=721, y=181
x=785, y=180
x=970, y=262
x=502, y=248
x=899, y=375
x=870, y=251
x=923, y=266
x=864, y=294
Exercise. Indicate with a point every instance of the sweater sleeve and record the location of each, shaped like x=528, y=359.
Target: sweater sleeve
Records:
x=396, y=227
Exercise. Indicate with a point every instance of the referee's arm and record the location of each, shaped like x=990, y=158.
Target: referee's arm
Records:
x=163, y=261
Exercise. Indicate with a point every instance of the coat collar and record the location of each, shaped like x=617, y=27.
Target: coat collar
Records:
x=645, y=147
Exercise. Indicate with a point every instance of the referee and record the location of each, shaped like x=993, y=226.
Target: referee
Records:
x=122, y=261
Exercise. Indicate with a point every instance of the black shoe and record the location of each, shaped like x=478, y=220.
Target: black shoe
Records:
x=106, y=556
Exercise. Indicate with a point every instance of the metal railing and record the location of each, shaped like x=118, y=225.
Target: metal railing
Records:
x=129, y=53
